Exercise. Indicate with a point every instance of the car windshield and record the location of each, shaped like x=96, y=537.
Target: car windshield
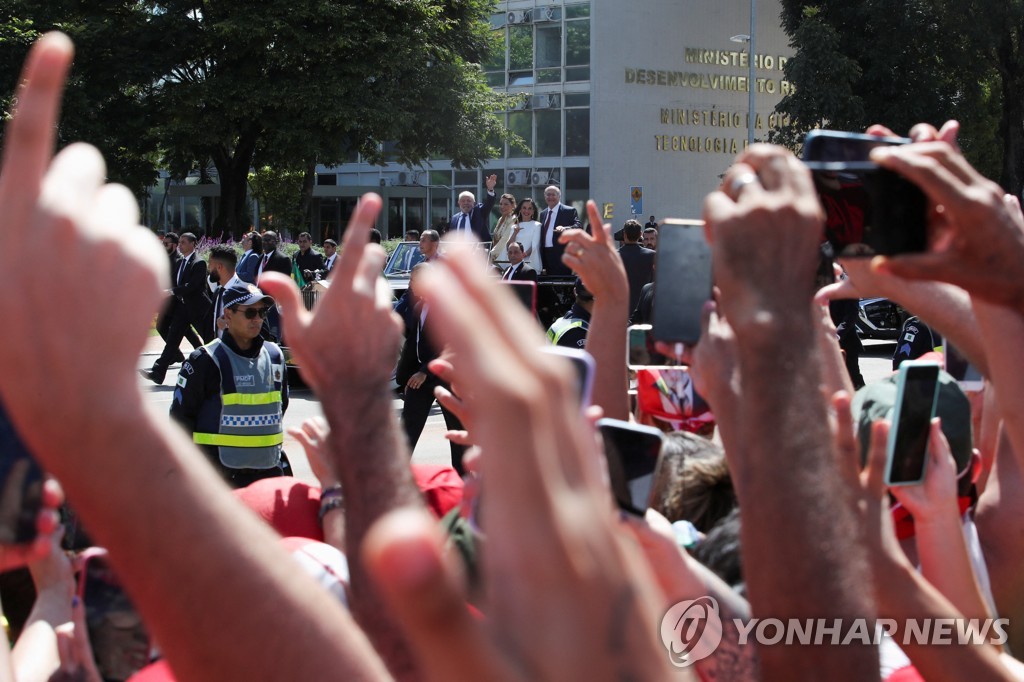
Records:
x=404, y=258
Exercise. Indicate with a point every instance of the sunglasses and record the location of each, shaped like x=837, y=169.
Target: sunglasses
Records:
x=251, y=313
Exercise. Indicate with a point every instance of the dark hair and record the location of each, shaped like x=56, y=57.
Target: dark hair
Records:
x=508, y=196
x=415, y=234
x=224, y=254
x=693, y=482
x=519, y=208
x=307, y=235
x=189, y=236
x=721, y=552
x=331, y=242
x=257, y=241
x=375, y=236
x=632, y=230
x=173, y=236
x=520, y=245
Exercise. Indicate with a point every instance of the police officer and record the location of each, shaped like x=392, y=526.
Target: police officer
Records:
x=232, y=393
x=571, y=329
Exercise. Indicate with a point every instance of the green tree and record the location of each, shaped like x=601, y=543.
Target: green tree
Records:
x=284, y=84
x=901, y=62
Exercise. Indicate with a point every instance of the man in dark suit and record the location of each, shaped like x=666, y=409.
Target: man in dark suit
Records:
x=163, y=320
x=553, y=219
x=415, y=378
x=250, y=260
x=192, y=294
x=639, y=261
x=222, y=271
x=519, y=270
x=474, y=218
x=272, y=260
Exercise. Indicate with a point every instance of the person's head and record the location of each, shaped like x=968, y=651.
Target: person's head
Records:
x=651, y=220
x=270, y=241
x=170, y=242
x=507, y=205
x=526, y=211
x=466, y=202
x=330, y=247
x=412, y=235
x=552, y=196
x=375, y=237
x=584, y=298
x=651, y=238
x=429, y=242
x=222, y=263
x=414, y=276
x=631, y=231
x=187, y=243
x=515, y=253
x=245, y=308
x=254, y=241
x=305, y=241
x=693, y=482
x=721, y=552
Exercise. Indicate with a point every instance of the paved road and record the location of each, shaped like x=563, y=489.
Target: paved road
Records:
x=875, y=364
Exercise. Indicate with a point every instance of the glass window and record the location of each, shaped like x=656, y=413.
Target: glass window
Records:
x=577, y=73
x=440, y=177
x=520, y=78
x=577, y=11
x=498, y=20
x=577, y=178
x=413, y=214
x=520, y=50
x=466, y=178
x=549, y=133
x=549, y=46
x=577, y=99
x=521, y=123
x=577, y=43
x=577, y=132
x=496, y=57
x=391, y=151
x=548, y=76
x=327, y=178
x=496, y=79
x=439, y=210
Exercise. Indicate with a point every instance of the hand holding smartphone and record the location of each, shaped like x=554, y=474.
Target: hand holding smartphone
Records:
x=682, y=281
x=917, y=394
x=634, y=454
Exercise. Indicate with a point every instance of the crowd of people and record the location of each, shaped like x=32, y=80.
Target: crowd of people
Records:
x=521, y=568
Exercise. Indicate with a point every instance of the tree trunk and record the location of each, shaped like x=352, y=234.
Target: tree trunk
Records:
x=1011, y=124
x=233, y=171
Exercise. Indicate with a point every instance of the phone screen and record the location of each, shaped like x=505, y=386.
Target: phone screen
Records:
x=640, y=351
x=916, y=394
x=633, y=453
x=837, y=150
x=21, y=486
x=119, y=639
x=682, y=281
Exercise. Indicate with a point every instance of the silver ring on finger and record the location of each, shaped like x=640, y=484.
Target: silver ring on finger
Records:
x=741, y=181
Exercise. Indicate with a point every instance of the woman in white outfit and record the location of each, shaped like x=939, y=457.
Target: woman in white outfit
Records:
x=503, y=230
x=527, y=232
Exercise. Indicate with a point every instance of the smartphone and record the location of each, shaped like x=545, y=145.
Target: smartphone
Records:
x=682, y=281
x=869, y=211
x=966, y=374
x=640, y=351
x=120, y=643
x=917, y=393
x=21, y=485
x=583, y=363
x=633, y=453
x=526, y=292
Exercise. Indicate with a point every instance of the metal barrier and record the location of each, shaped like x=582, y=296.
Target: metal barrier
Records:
x=311, y=296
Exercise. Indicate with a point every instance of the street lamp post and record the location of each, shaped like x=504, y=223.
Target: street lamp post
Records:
x=751, y=115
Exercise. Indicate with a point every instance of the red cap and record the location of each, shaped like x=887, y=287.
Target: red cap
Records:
x=287, y=504
x=440, y=485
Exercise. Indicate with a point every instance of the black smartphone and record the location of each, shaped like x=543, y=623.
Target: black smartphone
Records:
x=917, y=393
x=869, y=211
x=120, y=643
x=21, y=486
x=583, y=363
x=526, y=292
x=682, y=281
x=633, y=453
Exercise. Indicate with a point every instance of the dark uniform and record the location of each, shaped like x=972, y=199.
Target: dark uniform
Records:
x=571, y=329
x=233, y=403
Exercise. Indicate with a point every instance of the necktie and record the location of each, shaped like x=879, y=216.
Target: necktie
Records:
x=549, y=226
x=181, y=270
x=462, y=223
x=218, y=309
x=263, y=266
x=330, y=263
x=511, y=271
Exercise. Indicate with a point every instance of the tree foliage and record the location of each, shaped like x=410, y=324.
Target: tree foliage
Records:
x=901, y=62
x=281, y=84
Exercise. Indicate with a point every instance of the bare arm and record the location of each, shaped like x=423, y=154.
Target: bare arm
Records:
x=169, y=520
x=766, y=297
x=593, y=258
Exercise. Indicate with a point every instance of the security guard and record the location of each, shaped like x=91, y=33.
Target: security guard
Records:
x=571, y=329
x=232, y=393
